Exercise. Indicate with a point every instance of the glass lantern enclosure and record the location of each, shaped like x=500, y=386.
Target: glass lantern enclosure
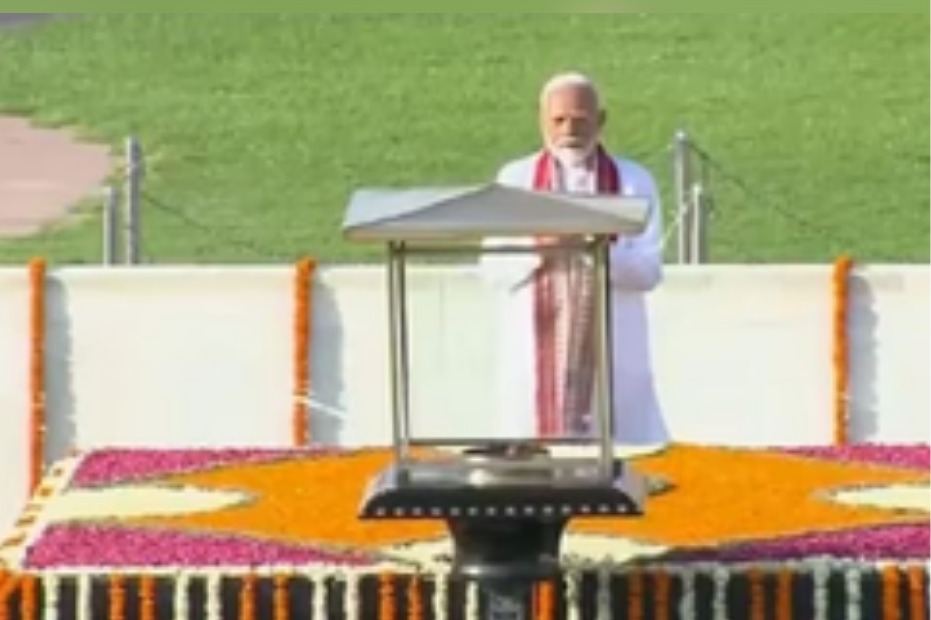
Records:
x=483, y=221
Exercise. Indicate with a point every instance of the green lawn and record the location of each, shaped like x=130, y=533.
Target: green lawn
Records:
x=259, y=127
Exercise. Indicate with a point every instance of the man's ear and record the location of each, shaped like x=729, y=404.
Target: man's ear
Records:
x=602, y=118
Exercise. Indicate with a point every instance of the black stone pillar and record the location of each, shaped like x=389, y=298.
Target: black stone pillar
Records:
x=505, y=558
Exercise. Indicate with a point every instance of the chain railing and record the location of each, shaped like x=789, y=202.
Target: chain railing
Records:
x=691, y=170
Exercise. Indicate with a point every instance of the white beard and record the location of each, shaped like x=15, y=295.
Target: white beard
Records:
x=571, y=157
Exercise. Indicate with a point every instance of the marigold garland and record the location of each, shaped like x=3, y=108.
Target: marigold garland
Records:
x=663, y=583
x=147, y=598
x=282, y=610
x=414, y=600
x=784, y=595
x=890, y=593
x=386, y=609
x=10, y=583
x=544, y=601
x=247, y=597
x=841, y=353
x=302, y=328
x=916, y=603
x=117, y=598
x=757, y=595
x=635, y=595
x=28, y=604
x=37, y=421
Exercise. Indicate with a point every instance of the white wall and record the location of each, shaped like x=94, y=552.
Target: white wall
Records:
x=14, y=393
x=202, y=356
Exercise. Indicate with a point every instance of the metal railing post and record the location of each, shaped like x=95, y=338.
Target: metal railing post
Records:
x=111, y=225
x=134, y=174
x=682, y=172
x=699, y=232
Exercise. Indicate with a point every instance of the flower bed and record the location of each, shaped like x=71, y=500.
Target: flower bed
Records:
x=119, y=466
x=739, y=529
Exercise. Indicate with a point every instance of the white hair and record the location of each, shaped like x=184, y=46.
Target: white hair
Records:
x=570, y=79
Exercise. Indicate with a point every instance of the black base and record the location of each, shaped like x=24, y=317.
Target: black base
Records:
x=506, y=550
x=506, y=537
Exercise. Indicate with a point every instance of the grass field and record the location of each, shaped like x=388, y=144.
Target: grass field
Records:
x=259, y=127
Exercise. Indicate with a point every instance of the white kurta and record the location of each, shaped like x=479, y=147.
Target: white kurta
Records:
x=636, y=268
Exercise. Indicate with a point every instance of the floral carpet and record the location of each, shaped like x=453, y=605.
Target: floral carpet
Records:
x=301, y=506
x=138, y=511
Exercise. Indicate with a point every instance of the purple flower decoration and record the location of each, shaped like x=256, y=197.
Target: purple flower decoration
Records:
x=916, y=456
x=63, y=546
x=116, y=466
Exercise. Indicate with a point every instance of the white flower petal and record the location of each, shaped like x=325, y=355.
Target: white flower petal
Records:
x=137, y=501
x=893, y=497
x=578, y=547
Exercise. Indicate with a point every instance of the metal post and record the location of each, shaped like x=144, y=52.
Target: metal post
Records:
x=682, y=171
x=604, y=396
x=398, y=344
x=111, y=225
x=699, y=231
x=134, y=175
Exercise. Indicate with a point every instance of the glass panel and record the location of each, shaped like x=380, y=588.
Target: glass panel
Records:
x=503, y=348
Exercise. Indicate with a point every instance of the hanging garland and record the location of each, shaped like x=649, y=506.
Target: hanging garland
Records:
x=147, y=608
x=916, y=595
x=635, y=590
x=303, y=290
x=784, y=579
x=117, y=597
x=661, y=595
x=891, y=605
x=37, y=421
x=415, y=599
x=8, y=584
x=544, y=601
x=281, y=605
x=29, y=597
x=386, y=609
x=841, y=352
x=757, y=595
x=247, y=594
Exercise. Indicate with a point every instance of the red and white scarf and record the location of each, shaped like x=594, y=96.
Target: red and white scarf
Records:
x=563, y=315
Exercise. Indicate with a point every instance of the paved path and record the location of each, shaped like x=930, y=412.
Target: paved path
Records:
x=22, y=19
x=43, y=173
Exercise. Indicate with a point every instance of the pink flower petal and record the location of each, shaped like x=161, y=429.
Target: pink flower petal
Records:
x=61, y=546
x=114, y=466
x=916, y=456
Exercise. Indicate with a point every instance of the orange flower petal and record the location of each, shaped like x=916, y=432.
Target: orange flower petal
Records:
x=720, y=495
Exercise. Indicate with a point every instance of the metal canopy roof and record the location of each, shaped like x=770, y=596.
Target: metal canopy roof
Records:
x=450, y=213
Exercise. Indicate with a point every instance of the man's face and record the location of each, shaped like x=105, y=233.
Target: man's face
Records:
x=571, y=123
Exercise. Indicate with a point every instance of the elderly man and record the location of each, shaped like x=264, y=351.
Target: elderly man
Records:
x=546, y=385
